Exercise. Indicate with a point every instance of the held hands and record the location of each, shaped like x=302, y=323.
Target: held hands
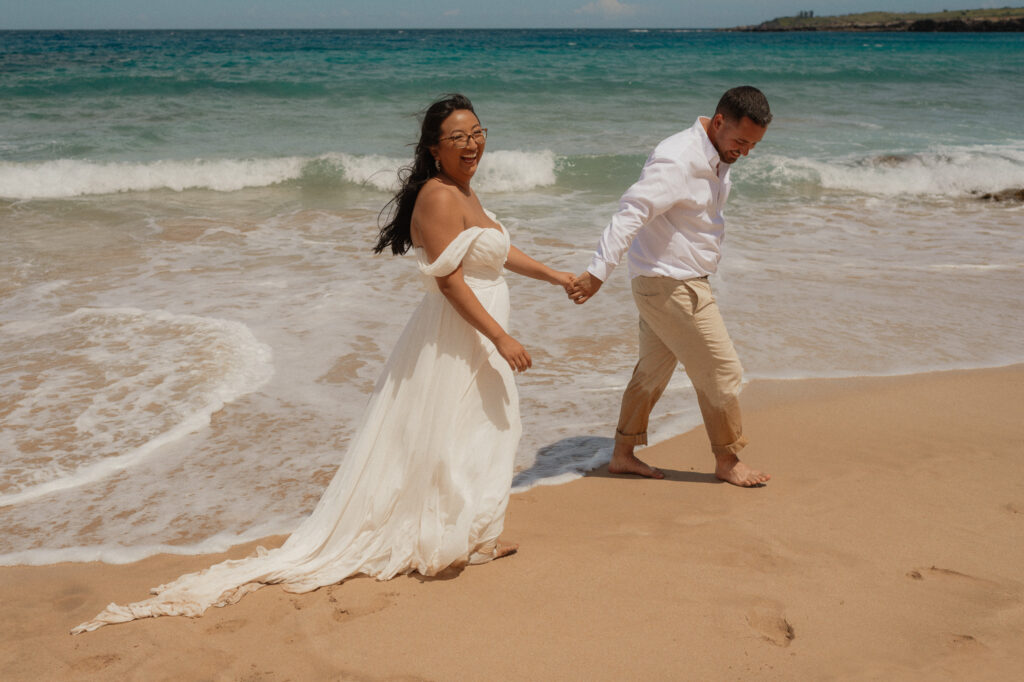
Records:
x=514, y=353
x=586, y=285
x=566, y=280
x=578, y=289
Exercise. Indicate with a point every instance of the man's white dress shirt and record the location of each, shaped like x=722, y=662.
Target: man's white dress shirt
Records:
x=670, y=220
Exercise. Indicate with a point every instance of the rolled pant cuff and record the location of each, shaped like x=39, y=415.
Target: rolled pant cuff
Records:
x=631, y=438
x=730, y=449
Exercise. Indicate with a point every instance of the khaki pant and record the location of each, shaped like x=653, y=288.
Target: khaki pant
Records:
x=680, y=322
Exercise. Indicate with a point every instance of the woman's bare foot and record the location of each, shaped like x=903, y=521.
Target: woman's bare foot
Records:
x=730, y=469
x=495, y=549
x=625, y=462
x=505, y=549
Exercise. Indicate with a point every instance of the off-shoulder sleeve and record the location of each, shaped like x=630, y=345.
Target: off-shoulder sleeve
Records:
x=449, y=260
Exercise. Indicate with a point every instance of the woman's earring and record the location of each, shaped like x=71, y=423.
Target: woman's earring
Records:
x=437, y=162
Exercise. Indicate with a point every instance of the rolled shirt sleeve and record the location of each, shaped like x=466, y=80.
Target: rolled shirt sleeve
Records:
x=651, y=195
x=670, y=220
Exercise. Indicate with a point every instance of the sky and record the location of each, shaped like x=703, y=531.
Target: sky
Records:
x=185, y=14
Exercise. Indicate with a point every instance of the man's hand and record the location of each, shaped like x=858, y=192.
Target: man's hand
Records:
x=586, y=286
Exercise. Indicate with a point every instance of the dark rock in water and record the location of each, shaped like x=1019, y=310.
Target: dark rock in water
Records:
x=1004, y=195
x=960, y=26
x=891, y=159
x=929, y=25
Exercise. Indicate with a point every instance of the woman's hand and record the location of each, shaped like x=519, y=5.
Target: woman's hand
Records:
x=585, y=286
x=566, y=280
x=514, y=353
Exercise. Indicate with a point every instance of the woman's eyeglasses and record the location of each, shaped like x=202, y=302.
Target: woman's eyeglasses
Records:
x=461, y=140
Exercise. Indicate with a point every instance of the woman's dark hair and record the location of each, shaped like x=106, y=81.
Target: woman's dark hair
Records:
x=396, y=232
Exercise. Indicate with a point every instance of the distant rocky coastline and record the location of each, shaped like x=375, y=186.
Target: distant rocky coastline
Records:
x=982, y=20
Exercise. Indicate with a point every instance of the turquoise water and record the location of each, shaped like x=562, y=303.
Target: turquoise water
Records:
x=191, y=320
x=180, y=95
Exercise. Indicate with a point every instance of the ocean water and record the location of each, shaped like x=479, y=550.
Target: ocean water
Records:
x=191, y=318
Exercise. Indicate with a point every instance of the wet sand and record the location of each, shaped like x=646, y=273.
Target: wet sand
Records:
x=888, y=545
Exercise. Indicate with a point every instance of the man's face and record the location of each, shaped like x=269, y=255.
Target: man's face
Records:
x=734, y=139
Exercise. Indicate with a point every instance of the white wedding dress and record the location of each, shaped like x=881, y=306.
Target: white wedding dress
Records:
x=426, y=479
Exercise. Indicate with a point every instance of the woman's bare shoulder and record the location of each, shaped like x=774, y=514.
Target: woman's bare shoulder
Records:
x=438, y=202
x=438, y=214
x=435, y=194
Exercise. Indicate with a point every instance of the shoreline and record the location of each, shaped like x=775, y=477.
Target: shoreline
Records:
x=255, y=539
x=888, y=544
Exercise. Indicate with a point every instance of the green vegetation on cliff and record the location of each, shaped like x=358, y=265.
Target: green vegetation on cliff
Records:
x=1005, y=19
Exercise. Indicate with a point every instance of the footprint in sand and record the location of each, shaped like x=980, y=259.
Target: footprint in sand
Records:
x=233, y=625
x=971, y=591
x=70, y=599
x=65, y=604
x=948, y=571
x=965, y=643
x=362, y=607
x=771, y=624
x=94, y=664
x=935, y=571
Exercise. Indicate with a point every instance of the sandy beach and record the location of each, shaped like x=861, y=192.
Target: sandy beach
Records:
x=888, y=545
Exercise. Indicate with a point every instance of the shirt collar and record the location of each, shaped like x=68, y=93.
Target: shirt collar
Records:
x=709, y=149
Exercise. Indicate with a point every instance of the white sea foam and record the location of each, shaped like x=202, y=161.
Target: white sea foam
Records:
x=120, y=554
x=512, y=171
x=96, y=391
x=982, y=267
x=380, y=172
x=944, y=172
x=500, y=171
x=72, y=178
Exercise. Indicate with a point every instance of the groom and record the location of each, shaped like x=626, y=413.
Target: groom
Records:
x=671, y=223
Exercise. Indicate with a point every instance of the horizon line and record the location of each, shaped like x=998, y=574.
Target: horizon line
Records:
x=394, y=28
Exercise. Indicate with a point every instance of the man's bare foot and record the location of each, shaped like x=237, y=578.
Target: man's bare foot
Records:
x=730, y=469
x=625, y=462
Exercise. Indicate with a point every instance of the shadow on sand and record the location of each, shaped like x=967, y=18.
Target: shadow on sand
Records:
x=587, y=456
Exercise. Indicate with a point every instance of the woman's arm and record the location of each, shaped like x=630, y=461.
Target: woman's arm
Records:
x=467, y=305
x=521, y=264
x=437, y=220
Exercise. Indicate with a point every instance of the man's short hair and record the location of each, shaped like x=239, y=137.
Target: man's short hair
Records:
x=745, y=100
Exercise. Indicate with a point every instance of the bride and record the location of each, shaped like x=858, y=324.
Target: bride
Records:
x=426, y=479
